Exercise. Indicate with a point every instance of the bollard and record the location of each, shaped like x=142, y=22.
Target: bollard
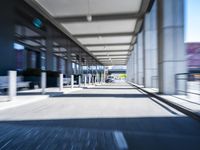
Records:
x=72, y=81
x=92, y=79
x=79, y=81
x=85, y=80
x=95, y=80
x=100, y=79
x=61, y=82
x=43, y=82
x=89, y=79
x=12, y=85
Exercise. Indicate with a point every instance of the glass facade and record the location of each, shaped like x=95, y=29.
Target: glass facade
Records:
x=36, y=45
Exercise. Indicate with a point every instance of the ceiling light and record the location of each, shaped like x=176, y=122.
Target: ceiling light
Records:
x=89, y=18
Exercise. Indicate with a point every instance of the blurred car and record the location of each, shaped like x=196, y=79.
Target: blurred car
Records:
x=109, y=80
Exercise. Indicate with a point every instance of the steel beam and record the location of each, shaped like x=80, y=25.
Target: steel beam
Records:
x=107, y=51
x=103, y=35
x=108, y=44
x=95, y=18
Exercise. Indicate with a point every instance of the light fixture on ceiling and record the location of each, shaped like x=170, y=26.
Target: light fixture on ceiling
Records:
x=89, y=16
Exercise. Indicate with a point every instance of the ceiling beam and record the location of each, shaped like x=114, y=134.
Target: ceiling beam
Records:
x=103, y=51
x=111, y=55
x=103, y=17
x=103, y=35
x=107, y=51
x=111, y=64
x=112, y=59
x=108, y=58
x=108, y=44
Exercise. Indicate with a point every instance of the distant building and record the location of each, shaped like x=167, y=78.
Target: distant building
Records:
x=193, y=56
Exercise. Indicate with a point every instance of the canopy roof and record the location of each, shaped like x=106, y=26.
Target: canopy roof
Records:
x=110, y=35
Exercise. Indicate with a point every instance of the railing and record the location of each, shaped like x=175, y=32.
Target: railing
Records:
x=188, y=83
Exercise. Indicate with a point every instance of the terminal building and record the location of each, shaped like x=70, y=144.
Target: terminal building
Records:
x=145, y=35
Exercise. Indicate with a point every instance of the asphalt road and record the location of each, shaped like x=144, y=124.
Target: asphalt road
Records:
x=110, y=117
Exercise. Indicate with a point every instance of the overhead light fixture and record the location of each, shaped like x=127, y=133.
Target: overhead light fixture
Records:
x=89, y=16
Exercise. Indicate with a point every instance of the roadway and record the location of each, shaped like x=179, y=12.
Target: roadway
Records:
x=108, y=117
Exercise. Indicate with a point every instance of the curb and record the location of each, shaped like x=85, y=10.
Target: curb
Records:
x=176, y=106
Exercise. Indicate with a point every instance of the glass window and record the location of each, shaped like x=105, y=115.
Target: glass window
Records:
x=54, y=63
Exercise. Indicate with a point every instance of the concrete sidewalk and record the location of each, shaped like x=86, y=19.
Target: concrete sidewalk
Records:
x=185, y=102
x=31, y=96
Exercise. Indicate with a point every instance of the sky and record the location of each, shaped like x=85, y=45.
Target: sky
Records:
x=192, y=20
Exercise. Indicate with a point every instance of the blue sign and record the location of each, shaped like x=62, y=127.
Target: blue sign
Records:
x=37, y=22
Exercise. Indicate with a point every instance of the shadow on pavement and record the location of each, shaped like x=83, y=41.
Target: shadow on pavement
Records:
x=39, y=93
x=103, y=88
x=147, y=133
x=104, y=95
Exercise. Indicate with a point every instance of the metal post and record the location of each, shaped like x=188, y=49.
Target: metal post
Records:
x=94, y=79
x=79, y=80
x=85, y=80
x=72, y=81
x=12, y=85
x=43, y=82
x=89, y=79
x=176, y=84
x=61, y=82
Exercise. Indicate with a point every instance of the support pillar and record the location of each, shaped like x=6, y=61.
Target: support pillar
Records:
x=140, y=59
x=80, y=63
x=151, y=49
x=135, y=56
x=132, y=67
x=89, y=81
x=8, y=54
x=104, y=75
x=69, y=64
x=172, y=53
x=72, y=81
x=49, y=52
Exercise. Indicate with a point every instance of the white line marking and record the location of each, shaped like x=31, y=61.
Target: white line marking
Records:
x=120, y=140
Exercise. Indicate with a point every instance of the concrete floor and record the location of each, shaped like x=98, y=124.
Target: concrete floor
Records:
x=88, y=120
